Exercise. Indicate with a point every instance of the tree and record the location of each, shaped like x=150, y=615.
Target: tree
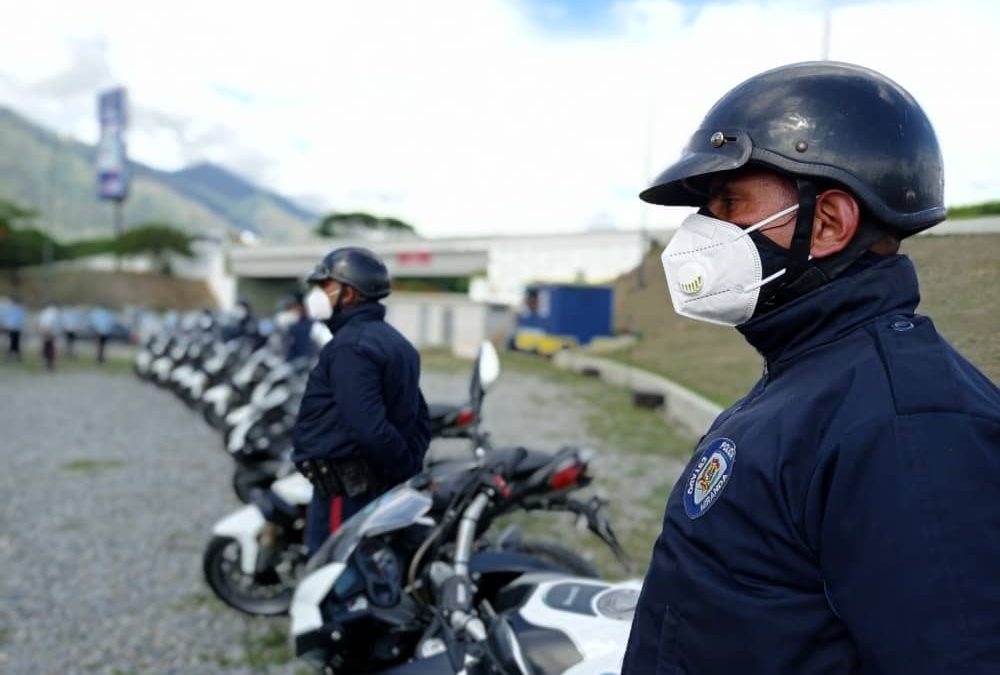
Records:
x=157, y=240
x=974, y=210
x=358, y=222
x=20, y=246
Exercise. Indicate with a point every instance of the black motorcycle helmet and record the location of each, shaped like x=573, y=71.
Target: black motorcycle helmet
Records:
x=357, y=267
x=824, y=120
x=821, y=123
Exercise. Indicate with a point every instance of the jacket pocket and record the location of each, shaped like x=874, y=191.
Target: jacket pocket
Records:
x=667, y=662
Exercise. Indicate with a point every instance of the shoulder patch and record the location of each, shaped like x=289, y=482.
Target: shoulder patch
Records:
x=709, y=477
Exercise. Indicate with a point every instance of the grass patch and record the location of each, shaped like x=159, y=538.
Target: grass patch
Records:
x=73, y=525
x=92, y=466
x=33, y=364
x=443, y=360
x=5, y=636
x=196, y=601
x=264, y=644
x=271, y=647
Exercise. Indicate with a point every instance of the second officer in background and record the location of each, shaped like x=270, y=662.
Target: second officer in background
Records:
x=362, y=426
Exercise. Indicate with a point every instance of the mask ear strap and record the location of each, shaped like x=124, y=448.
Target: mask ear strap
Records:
x=797, y=268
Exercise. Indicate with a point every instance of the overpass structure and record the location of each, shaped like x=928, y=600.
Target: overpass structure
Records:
x=499, y=267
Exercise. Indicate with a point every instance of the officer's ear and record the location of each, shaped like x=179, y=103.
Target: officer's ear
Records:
x=350, y=295
x=835, y=223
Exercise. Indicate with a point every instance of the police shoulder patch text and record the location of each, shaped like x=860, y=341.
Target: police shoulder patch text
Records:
x=709, y=477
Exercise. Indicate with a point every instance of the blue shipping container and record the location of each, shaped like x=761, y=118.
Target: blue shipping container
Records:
x=583, y=312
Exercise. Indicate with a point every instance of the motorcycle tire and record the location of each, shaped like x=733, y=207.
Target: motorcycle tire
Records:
x=559, y=556
x=213, y=420
x=260, y=594
x=245, y=481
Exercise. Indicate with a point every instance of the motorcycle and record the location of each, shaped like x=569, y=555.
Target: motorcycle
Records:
x=256, y=553
x=396, y=589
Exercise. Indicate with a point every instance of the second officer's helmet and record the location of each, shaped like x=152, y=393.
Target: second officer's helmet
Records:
x=354, y=266
x=828, y=121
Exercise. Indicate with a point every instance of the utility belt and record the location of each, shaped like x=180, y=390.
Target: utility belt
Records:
x=338, y=477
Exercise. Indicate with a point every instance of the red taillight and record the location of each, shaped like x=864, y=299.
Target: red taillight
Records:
x=465, y=417
x=564, y=478
x=501, y=486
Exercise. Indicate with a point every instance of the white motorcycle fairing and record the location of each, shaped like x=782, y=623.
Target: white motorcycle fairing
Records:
x=592, y=615
x=244, y=525
x=294, y=489
x=309, y=594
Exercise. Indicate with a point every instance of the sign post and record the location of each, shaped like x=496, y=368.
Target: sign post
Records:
x=112, y=168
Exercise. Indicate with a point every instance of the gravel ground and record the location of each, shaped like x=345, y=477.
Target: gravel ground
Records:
x=111, y=488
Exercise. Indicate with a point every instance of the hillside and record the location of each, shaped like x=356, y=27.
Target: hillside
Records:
x=960, y=289
x=56, y=176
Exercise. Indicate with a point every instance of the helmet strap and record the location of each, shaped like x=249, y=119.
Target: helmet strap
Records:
x=804, y=275
x=797, y=260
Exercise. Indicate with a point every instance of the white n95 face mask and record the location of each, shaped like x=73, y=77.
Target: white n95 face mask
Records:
x=318, y=304
x=713, y=269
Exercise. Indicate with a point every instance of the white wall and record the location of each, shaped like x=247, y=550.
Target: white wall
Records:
x=444, y=320
x=209, y=264
x=592, y=257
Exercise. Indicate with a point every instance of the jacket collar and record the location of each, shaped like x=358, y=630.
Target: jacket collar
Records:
x=874, y=286
x=363, y=313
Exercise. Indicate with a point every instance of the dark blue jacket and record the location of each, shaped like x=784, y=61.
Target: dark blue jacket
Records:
x=843, y=517
x=363, y=398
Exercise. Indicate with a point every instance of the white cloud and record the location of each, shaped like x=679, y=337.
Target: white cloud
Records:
x=461, y=115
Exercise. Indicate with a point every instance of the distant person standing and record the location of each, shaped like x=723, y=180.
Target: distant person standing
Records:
x=102, y=323
x=72, y=326
x=13, y=321
x=49, y=327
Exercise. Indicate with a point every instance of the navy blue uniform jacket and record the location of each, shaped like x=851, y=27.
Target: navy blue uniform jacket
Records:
x=843, y=517
x=363, y=398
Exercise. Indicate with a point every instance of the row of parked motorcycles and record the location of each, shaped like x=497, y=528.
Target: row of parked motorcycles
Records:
x=420, y=581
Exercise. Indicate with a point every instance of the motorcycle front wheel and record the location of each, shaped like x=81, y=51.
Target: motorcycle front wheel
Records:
x=266, y=593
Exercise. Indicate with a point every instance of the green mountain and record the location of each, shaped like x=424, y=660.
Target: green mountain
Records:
x=55, y=176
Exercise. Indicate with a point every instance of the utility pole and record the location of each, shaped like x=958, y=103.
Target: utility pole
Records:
x=640, y=270
x=52, y=204
x=825, y=53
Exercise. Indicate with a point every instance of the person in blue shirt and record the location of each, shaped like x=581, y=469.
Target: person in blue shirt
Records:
x=72, y=325
x=102, y=322
x=362, y=425
x=843, y=517
x=13, y=322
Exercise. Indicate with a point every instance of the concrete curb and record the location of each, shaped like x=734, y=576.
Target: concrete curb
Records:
x=692, y=413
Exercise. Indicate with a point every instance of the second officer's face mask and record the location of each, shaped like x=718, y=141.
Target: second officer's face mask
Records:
x=714, y=271
x=318, y=304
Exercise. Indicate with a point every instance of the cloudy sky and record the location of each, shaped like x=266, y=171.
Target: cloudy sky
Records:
x=478, y=116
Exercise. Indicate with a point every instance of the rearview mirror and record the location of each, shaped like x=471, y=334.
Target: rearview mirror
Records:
x=488, y=364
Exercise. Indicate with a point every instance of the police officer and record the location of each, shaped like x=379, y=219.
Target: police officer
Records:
x=843, y=516
x=363, y=424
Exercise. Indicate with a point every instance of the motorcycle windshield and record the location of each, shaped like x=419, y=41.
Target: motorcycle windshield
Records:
x=396, y=509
